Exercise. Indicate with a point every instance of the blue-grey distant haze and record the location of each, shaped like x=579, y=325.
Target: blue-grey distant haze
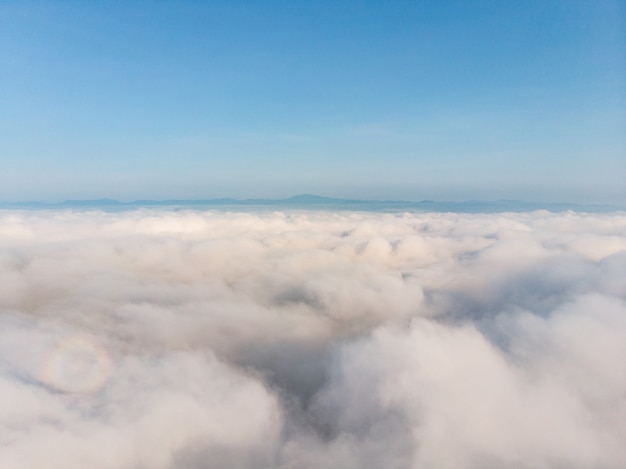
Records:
x=445, y=100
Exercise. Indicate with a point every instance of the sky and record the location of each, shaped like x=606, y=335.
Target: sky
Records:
x=446, y=100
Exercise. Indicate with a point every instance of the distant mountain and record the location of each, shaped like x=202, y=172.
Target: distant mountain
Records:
x=311, y=201
x=307, y=199
x=90, y=203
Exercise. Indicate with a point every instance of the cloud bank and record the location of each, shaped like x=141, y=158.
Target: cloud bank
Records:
x=186, y=339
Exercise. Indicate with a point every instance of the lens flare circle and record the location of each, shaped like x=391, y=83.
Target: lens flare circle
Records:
x=78, y=365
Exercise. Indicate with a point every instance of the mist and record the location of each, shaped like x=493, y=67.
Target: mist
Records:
x=167, y=339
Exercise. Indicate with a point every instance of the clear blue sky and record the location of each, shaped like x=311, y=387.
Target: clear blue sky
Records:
x=385, y=99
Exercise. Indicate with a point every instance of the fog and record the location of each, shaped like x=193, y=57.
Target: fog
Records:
x=162, y=339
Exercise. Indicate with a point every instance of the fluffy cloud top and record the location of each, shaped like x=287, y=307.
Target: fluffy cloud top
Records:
x=187, y=339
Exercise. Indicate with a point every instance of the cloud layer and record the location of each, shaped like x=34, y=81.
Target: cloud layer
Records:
x=187, y=339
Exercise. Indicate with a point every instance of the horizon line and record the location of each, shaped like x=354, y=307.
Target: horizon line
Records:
x=313, y=200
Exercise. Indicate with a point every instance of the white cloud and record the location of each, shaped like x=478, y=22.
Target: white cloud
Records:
x=171, y=339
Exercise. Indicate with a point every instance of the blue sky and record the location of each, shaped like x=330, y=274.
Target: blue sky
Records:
x=396, y=99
